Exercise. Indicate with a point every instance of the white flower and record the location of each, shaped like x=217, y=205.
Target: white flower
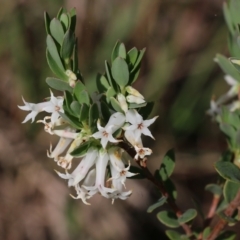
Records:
x=121, y=173
x=82, y=192
x=117, y=187
x=105, y=133
x=53, y=106
x=141, y=152
x=101, y=167
x=82, y=169
x=139, y=126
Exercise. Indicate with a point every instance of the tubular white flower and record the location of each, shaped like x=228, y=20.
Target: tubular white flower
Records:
x=53, y=106
x=59, y=149
x=66, y=161
x=101, y=167
x=82, y=192
x=139, y=126
x=117, y=187
x=82, y=169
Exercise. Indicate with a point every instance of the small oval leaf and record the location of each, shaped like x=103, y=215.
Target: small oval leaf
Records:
x=228, y=171
x=187, y=216
x=168, y=218
x=230, y=190
x=159, y=203
x=120, y=71
x=58, y=84
x=51, y=46
x=214, y=188
x=167, y=165
x=57, y=30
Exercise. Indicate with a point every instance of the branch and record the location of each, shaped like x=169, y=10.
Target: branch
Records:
x=228, y=212
x=159, y=185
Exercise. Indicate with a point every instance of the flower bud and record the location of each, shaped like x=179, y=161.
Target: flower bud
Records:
x=134, y=99
x=122, y=101
x=134, y=92
x=71, y=78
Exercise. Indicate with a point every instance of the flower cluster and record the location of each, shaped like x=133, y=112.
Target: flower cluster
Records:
x=102, y=158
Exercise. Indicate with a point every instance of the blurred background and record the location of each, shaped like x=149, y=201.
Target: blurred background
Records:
x=178, y=73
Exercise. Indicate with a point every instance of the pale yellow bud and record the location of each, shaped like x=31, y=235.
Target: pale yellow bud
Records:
x=122, y=101
x=134, y=99
x=134, y=92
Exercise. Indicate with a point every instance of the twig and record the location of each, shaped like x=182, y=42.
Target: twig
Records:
x=228, y=212
x=160, y=186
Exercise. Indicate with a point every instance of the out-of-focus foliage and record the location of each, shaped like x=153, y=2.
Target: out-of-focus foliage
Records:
x=178, y=73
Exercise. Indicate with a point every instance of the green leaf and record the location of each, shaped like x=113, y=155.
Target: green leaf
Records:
x=51, y=46
x=58, y=84
x=115, y=51
x=83, y=97
x=168, y=218
x=235, y=62
x=76, y=108
x=228, y=130
x=47, y=21
x=139, y=59
x=146, y=111
x=60, y=12
x=68, y=45
x=79, y=87
x=73, y=16
x=109, y=77
x=83, y=112
x=105, y=111
x=167, y=165
x=64, y=20
x=115, y=104
x=214, y=189
x=55, y=68
x=187, y=216
x=110, y=93
x=227, y=235
x=102, y=83
x=120, y=71
x=122, y=51
x=70, y=119
x=228, y=171
x=81, y=150
x=68, y=98
x=206, y=233
x=222, y=205
x=134, y=75
x=169, y=185
x=56, y=30
x=230, y=190
x=227, y=67
x=173, y=235
x=159, y=203
x=93, y=114
x=132, y=56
